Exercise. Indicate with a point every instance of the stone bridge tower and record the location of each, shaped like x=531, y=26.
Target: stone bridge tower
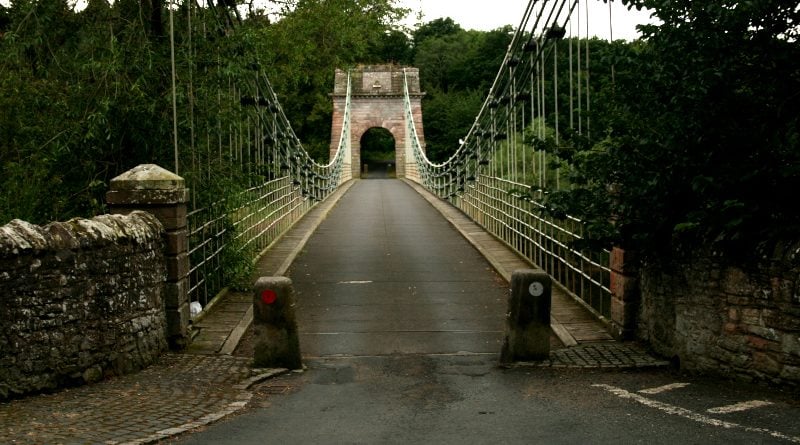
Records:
x=376, y=100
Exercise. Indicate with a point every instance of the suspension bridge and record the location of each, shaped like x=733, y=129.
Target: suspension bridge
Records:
x=402, y=283
x=496, y=179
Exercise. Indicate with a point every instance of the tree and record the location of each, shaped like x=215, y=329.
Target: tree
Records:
x=457, y=68
x=393, y=47
x=702, y=138
x=303, y=49
x=69, y=76
x=437, y=28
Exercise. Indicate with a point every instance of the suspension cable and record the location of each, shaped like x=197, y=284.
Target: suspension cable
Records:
x=588, y=100
x=174, y=93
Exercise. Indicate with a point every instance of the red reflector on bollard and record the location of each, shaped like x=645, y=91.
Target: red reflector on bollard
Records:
x=268, y=296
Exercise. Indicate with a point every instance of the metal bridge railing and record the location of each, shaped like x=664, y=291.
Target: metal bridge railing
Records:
x=259, y=217
x=544, y=240
x=503, y=162
x=243, y=225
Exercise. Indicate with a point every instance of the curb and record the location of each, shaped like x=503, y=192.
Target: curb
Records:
x=557, y=365
x=612, y=355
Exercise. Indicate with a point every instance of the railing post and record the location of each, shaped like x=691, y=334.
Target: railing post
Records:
x=155, y=190
x=624, y=292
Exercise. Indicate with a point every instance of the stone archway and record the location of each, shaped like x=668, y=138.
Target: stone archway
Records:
x=376, y=100
x=378, y=150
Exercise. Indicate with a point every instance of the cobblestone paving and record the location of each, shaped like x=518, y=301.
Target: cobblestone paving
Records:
x=179, y=393
x=600, y=355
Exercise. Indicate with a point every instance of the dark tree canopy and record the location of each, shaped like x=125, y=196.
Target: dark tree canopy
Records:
x=457, y=68
x=695, y=139
x=91, y=91
x=700, y=140
x=436, y=28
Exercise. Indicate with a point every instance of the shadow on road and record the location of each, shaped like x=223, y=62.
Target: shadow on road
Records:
x=378, y=170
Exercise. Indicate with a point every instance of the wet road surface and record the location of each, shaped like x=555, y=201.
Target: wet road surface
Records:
x=401, y=322
x=386, y=274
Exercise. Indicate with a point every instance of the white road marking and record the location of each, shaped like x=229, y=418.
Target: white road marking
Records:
x=665, y=388
x=691, y=415
x=736, y=407
x=355, y=282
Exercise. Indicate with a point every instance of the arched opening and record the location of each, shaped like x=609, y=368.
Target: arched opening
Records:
x=378, y=154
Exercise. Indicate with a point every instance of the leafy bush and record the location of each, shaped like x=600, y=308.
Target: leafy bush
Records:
x=702, y=131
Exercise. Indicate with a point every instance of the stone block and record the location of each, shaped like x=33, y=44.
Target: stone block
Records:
x=173, y=217
x=766, y=363
x=736, y=282
x=785, y=320
x=376, y=105
x=782, y=289
x=176, y=293
x=177, y=267
x=746, y=327
x=528, y=318
x=177, y=241
x=758, y=343
x=790, y=373
x=177, y=322
x=147, y=177
x=90, y=294
x=790, y=344
x=624, y=313
x=624, y=287
x=624, y=261
x=277, y=343
x=138, y=198
x=730, y=328
x=751, y=315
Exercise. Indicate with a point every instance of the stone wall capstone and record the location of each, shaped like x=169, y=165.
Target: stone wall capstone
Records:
x=79, y=300
x=722, y=319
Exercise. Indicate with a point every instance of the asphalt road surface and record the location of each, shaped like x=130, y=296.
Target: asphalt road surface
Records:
x=401, y=324
x=466, y=399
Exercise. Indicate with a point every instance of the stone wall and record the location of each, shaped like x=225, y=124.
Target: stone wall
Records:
x=726, y=320
x=79, y=300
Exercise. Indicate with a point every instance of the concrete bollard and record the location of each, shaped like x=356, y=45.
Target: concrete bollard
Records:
x=276, y=341
x=528, y=319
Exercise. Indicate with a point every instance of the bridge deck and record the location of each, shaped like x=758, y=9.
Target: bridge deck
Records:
x=385, y=273
x=571, y=322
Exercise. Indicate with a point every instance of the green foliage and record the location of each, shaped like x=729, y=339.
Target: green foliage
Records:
x=438, y=28
x=456, y=67
x=700, y=130
x=447, y=118
x=303, y=49
x=377, y=144
x=91, y=94
x=70, y=78
x=394, y=46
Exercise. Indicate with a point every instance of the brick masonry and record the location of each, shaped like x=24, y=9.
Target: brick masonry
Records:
x=79, y=300
x=723, y=319
x=377, y=101
x=162, y=193
x=624, y=293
